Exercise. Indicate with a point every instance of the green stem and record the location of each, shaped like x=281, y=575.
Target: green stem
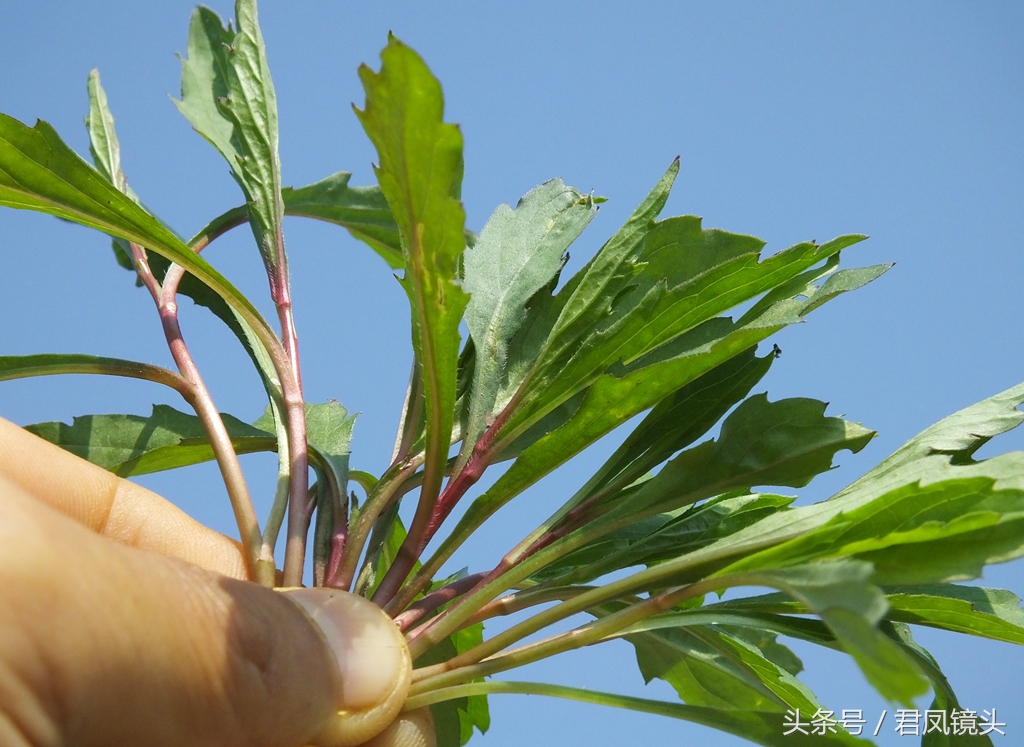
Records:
x=470, y=665
x=741, y=723
x=219, y=226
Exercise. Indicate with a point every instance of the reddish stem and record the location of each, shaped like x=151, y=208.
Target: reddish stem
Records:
x=435, y=599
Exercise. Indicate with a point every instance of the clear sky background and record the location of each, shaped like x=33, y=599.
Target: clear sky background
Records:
x=794, y=121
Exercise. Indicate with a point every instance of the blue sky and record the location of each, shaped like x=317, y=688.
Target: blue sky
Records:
x=793, y=120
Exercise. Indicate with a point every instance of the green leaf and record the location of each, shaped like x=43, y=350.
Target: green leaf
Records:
x=940, y=452
x=228, y=96
x=945, y=699
x=680, y=419
x=106, y=154
x=420, y=169
x=517, y=254
x=625, y=391
x=39, y=172
x=990, y=613
x=665, y=536
x=329, y=434
x=841, y=594
x=762, y=443
x=923, y=532
x=555, y=323
x=755, y=614
x=133, y=445
x=710, y=667
x=676, y=278
x=363, y=211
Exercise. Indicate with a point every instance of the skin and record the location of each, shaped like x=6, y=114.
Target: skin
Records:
x=123, y=621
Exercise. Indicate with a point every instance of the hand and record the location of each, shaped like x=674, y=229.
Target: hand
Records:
x=125, y=622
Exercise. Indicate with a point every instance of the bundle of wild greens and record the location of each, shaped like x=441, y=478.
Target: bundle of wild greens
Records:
x=549, y=367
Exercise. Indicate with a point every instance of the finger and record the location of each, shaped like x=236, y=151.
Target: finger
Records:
x=110, y=505
x=105, y=644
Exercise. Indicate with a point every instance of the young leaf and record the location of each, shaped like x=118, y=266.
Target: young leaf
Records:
x=228, y=96
x=518, y=253
x=134, y=445
x=329, y=432
x=419, y=172
x=106, y=154
x=678, y=277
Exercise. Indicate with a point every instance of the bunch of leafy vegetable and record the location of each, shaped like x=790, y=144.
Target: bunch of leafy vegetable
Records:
x=548, y=368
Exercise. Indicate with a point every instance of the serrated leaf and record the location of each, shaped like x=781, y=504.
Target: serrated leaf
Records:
x=940, y=452
x=676, y=278
x=363, y=211
x=841, y=594
x=947, y=530
x=762, y=443
x=626, y=391
x=517, y=254
x=955, y=438
x=133, y=445
x=228, y=96
x=329, y=435
x=419, y=172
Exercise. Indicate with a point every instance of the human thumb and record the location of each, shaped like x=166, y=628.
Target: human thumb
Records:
x=104, y=644
x=373, y=662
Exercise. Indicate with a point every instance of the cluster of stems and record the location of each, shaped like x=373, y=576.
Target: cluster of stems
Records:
x=426, y=617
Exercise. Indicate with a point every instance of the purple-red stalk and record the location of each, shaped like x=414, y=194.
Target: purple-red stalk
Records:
x=435, y=599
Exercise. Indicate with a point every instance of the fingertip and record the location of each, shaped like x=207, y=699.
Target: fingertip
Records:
x=373, y=662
